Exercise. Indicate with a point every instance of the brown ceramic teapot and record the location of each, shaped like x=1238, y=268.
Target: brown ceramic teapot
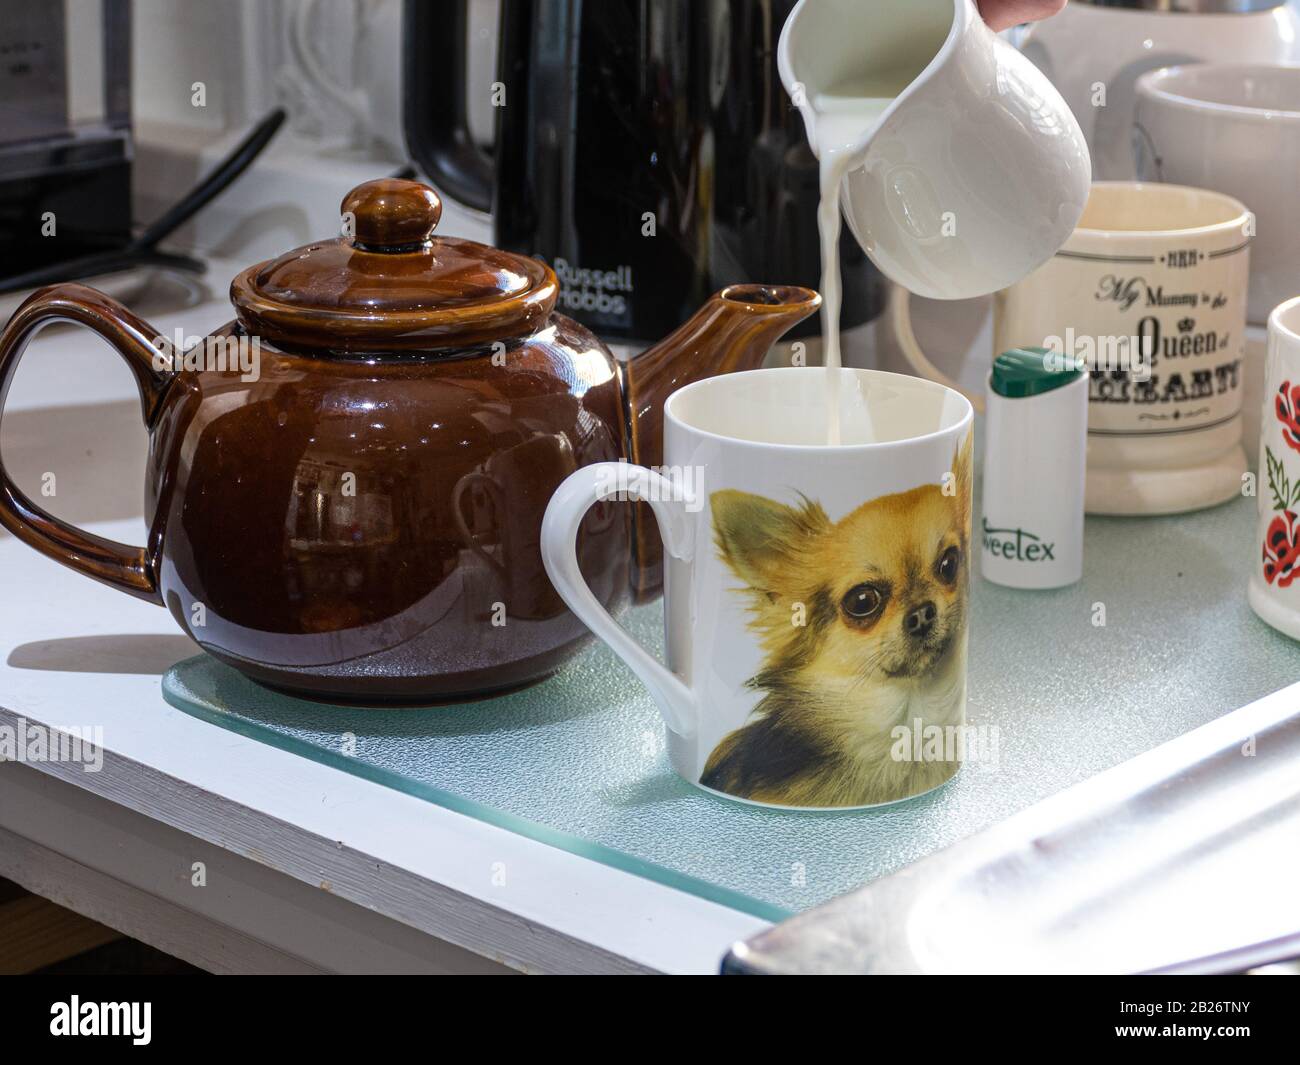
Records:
x=346, y=483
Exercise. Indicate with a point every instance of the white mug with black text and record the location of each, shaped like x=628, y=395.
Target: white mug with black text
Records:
x=1149, y=294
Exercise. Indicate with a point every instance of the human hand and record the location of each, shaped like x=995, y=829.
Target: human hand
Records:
x=1003, y=14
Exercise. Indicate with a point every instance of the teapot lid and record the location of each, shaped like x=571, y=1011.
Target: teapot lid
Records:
x=390, y=284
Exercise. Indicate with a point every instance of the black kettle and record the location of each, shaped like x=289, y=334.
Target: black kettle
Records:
x=645, y=149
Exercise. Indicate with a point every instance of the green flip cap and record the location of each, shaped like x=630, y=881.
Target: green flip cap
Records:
x=1023, y=372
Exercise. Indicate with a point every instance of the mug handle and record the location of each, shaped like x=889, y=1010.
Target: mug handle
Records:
x=133, y=570
x=580, y=491
x=1144, y=150
x=900, y=314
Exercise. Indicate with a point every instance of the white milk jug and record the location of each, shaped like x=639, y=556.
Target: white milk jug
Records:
x=963, y=169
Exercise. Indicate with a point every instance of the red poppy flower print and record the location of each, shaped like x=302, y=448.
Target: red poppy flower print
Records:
x=1286, y=406
x=1281, y=552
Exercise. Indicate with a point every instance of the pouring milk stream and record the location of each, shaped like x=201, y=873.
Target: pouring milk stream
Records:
x=957, y=164
x=846, y=116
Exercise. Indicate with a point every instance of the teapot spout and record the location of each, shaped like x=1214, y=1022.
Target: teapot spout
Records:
x=733, y=331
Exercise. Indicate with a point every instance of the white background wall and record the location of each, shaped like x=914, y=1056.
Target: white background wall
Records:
x=335, y=64
x=243, y=51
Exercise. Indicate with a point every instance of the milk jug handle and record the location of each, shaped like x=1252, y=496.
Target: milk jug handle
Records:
x=900, y=314
x=672, y=507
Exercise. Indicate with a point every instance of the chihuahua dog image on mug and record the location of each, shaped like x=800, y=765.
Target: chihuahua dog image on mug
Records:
x=816, y=594
x=882, y=644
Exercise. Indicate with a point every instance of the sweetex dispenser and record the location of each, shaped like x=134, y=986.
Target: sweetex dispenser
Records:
x=1035, y=450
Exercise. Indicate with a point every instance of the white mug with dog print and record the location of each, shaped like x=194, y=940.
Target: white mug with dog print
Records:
x=816, y=596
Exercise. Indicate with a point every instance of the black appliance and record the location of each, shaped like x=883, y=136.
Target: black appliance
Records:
x=65, y=158
x=646, y=149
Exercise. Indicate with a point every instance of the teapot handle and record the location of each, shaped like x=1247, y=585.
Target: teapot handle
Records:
x=131, y=569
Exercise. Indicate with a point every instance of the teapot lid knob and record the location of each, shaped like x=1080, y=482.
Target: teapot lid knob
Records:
x=391, y=215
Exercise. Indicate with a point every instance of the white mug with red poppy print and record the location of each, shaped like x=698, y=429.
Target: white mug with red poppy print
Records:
x=1275, y=578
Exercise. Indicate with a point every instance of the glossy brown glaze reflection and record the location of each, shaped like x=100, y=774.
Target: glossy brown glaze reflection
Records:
x=393, y=285
x=360, y=518
x=389, y=213
x=364, y=529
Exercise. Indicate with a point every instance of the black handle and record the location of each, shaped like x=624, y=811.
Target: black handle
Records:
x=435, y=104
x=234, y=164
